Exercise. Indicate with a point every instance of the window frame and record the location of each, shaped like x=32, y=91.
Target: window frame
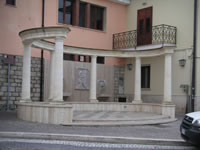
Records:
x=75, y=14
x=82, y=58
x=96, y=9
x=9, y=4
x=147, y=80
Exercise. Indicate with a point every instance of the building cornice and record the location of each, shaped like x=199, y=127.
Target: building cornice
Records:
x=123, y=2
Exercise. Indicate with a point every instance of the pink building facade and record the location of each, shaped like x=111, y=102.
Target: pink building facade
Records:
x=28, y=14
x=92, y=25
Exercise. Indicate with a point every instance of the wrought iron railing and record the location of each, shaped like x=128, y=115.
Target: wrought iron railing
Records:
x=161, y=34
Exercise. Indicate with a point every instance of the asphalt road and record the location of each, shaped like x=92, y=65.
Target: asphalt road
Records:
x=25, y=144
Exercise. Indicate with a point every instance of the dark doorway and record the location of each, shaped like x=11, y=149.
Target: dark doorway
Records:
x=144, y=26
x=122, y=99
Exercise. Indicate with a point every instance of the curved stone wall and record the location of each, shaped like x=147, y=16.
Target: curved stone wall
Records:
x=45, y=112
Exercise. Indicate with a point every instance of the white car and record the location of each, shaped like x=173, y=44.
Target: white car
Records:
x=190, y=128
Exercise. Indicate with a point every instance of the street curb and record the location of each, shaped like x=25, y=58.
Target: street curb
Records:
x=90, y=138
x=118, y=123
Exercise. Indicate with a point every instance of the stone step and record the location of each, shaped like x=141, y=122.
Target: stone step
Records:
x=100, y=118
x=121, y=123
x=120, y=119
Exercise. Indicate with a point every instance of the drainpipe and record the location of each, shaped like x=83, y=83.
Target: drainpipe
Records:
x=194, y=57
x=42, y=57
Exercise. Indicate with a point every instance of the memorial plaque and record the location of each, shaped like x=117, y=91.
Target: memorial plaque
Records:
x=82, y=79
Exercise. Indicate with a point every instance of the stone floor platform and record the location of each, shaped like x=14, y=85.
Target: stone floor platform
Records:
x=95, y=114
x=100, y=118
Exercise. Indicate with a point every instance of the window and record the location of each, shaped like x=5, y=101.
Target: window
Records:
x=82, y=58
x=100, y=60
x=82, y=15
x=68, y=11
x=96, y=17
x=145, y=77
x=11, y=2
x=75, y=12
x=68, y=57
x=65, y=11
x=148, y=26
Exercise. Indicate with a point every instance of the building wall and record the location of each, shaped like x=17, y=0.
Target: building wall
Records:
x=26, y=14
x=16, y=81
x=105, y=73
x=84, y=37
x=197, y=103
x=179, y=14
x=90, y=38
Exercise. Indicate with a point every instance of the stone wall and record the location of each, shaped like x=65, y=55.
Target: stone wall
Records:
x=16, y=81
x=73, y=92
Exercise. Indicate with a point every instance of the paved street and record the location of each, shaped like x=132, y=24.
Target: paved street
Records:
x=21, y=144
x=10, y=124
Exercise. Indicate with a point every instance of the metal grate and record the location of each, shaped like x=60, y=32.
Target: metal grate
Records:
x=187, y=122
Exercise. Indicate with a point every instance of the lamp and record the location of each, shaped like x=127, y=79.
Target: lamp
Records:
x=182, y=62
x=129, y=66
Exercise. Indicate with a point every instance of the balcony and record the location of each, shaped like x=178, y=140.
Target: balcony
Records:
x=159, y=36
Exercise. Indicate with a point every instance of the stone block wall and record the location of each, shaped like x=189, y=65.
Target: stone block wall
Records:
x=118, y=82
x=16, y=80
x=119, y=74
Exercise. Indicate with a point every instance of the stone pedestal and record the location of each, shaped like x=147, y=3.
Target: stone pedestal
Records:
x=45, y=112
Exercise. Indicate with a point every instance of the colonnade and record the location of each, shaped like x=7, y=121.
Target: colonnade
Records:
x=167, y=97
x=56, y=75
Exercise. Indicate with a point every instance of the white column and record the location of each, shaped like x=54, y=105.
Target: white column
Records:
x=167, y=79
x=26, y=75
x=137, y=98
x=52, y=76
x=93, y=79
x=58, y=70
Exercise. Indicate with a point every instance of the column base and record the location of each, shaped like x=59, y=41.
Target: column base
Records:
x=94, y=101
x=25, y=100
x=137, y=101
x=56, y=100
x=50, y=99
x=167, y=103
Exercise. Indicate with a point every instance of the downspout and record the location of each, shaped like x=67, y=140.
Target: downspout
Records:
x=42, y=57
x=194, y=58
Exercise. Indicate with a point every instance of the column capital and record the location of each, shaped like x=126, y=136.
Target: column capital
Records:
x=60, y=38
x=94, y=56
x=27, y=43
x=169, y=51
x=168, y=54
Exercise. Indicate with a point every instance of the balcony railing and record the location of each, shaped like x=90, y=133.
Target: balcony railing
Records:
x=161, y=34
